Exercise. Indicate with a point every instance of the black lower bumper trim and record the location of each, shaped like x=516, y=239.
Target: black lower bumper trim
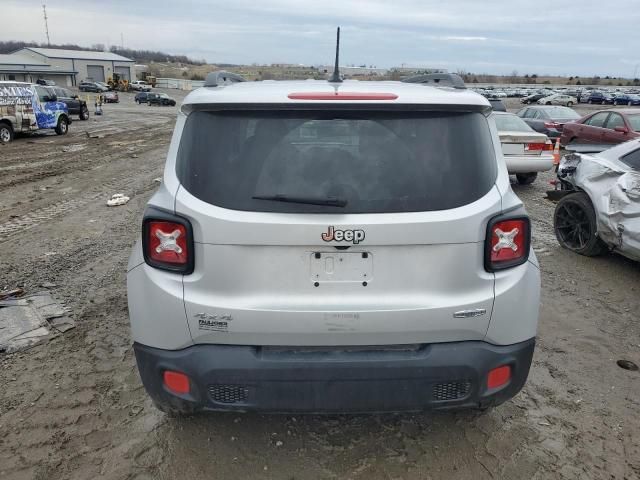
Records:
x=245, y=378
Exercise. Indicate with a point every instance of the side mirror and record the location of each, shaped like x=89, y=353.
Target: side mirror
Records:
x=622, y=129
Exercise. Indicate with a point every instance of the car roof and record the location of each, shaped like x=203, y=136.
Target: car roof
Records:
x=271, y=91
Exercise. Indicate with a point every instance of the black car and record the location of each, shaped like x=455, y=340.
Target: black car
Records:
x=160, y=99
x=548, y=119
x=600, y=98
x=533, y=98
x=141, y=97
x=92, y=87
x=76, y=105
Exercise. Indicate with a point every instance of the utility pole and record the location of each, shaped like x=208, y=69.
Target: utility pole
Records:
x=121, y=41
x=46, y=24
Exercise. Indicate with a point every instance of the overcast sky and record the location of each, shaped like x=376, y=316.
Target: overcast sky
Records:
x=583, y=37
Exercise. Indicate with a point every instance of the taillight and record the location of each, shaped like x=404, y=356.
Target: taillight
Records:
x=176, y=382
x=167, y=242
x=507, y=243
x=498, y=377
x=532, y=147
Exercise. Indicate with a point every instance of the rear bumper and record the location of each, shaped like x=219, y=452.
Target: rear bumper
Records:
x=528, y=163
x=318, y=380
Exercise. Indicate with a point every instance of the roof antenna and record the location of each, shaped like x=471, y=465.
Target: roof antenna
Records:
x=335, y=78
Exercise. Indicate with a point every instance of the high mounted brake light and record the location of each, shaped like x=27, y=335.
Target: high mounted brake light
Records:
x=342, y=96
x=167, y=242
x=507, y=243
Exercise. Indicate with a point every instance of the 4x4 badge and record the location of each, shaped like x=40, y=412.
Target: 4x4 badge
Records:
x=355, y=236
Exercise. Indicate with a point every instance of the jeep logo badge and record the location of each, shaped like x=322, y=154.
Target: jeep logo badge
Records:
x=355, y=236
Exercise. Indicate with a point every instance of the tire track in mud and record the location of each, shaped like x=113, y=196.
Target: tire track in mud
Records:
x=125, y=182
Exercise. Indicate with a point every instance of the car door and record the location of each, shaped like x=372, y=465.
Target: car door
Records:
x=535, y=119
x=610, y=135
x=592, y=129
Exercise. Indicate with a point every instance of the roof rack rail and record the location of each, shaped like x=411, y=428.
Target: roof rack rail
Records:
x=220, y=77
x=438, y=80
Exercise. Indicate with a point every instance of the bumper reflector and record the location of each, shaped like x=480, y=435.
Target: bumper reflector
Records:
x=176, y=382
x=498, y=377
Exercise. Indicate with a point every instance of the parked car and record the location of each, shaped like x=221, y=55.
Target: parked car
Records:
x=599, y=210
x=549, y=120
x=497, y=105
x=526, y=152
x=26, y=107
x=604, y=127
x=160, y=99
x=110, y=97
x=599, y=97
x=532, y=98
x=271, y=193
x=627, y=99
x=140, y=85
x=47, y=83
x=558, y=99
x=92, y=87
x=105, y=85
x=75, y=104
x=141, y=97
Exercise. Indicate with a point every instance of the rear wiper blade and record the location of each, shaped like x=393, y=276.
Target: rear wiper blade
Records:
x=330, y=201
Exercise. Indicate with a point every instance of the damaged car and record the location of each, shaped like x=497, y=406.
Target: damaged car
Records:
x=599, y=207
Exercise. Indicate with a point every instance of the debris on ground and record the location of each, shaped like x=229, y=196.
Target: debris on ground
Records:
x=29, y=320
x=117, y=199
x=16, y=292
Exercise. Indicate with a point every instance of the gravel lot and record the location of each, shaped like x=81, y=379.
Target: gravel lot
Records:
x=74, y=408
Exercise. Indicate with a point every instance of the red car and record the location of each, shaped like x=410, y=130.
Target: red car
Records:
x=604, y=127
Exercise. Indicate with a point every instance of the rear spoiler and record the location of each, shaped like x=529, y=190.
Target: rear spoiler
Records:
x=438, y=80
x=220, y=77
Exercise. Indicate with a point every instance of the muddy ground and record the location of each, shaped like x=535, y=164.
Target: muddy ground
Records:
x=74, y=408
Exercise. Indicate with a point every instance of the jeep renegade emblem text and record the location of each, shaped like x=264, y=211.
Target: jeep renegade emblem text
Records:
x=355, y=236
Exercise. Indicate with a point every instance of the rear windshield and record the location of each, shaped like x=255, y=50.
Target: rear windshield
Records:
x=511, y=123
x=563, y=113
x=366, y=162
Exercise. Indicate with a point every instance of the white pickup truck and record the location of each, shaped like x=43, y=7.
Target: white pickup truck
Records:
x=140, y=85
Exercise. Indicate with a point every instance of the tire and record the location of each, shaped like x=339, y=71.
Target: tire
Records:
x=63, y=126
x=6, y=133
x=569, y=104
x=84, y=113
x=548, y=103
x=526, y=178
x=575, y=225
x=589, y=102
x=603, y=102
x=629, y=103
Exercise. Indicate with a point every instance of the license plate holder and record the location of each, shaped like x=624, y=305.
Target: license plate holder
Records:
x=345, y=267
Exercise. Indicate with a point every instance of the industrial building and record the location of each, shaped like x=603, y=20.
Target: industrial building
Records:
x=65, y=67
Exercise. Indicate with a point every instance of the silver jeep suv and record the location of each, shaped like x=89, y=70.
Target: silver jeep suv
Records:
x=333, y=247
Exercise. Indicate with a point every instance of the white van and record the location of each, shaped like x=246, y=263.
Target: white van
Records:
x=26, y=107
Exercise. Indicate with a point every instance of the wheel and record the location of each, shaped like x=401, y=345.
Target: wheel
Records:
x=603, y=102
x=526, y=178
x=629, y=103
x=569, y=104
x=548, y=103
x=574, y=222
x=63, y=126
x=84, y=113
x=6, y=133
x=589, y=102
